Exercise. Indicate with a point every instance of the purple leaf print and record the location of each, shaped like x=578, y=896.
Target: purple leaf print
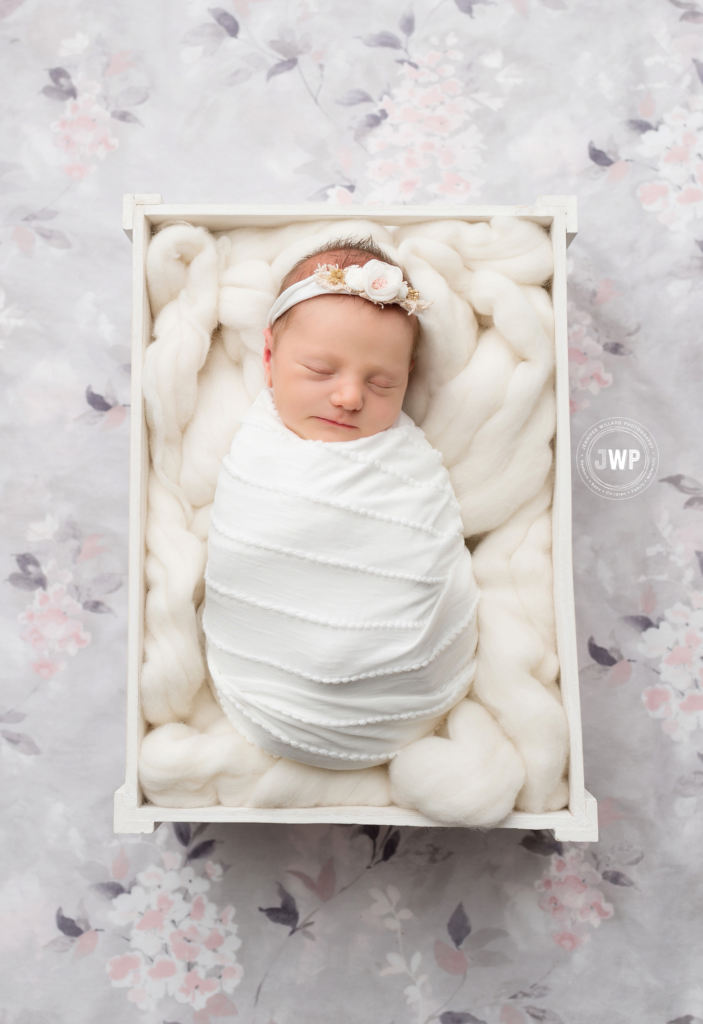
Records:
x=67, y=925
x=542, y=842
x=689, y=785
x=388, y=39
x=535, y=991
x=110, y=890
x=98, y=608
x=407, y=24
x=132, y=96
x=616, y=348
x=41, y=215
x=181, y=830
x=600, y=654
x=225, y=20
x=599, y=157
x=56, y=239
x=238, y=76
x=688, y=1019
x=63, y=87
x=96, y=401
x=467, y=6
x=106, y=583
x=454, y=1017
x=698, y=64
x=202, y=850
x=30, y=576
x=617, y=878
x=373, y=120
x=22, y=582
x=685, y=484
x=126, y=116
x=640, y=126
x=695, y=502
x=286, y=914
x=324, y=885
x=12, y=717
x=391, y=845
x=281, y=68
x=695, y=16
x=545, y=1016
x=459, y=926
x=354, y=96
x=639, y=622
x=20, y=741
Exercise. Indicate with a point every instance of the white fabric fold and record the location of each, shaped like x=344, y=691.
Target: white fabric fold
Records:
x=341, y=605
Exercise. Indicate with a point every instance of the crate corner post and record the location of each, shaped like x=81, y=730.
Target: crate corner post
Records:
x=132, y=199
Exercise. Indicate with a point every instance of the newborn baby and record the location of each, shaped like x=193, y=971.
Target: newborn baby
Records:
x=340, y=613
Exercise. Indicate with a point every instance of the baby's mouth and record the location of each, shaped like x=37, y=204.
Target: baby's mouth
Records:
x=336, y=423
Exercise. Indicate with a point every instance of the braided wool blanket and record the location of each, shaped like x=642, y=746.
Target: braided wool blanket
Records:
x=346, y=558
x=483, y=393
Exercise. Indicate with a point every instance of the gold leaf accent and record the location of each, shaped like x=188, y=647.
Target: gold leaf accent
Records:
x=413, y=294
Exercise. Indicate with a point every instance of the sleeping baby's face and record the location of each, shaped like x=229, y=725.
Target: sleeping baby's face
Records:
x=339, y=367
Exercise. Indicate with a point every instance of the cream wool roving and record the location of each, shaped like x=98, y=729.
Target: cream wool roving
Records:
x=482, y=391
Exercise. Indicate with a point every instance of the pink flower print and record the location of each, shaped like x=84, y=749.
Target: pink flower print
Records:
x=453, y=185
x=692, y=703
x=568, y=940
x=79, y=171
x=570, y=896
x=126, y=969
x=152, y=920
x=231, y=976
x=83, y=130
x=162, y=968
x=554, y=907
x=226, y=916
x=676, y=147
x=451, y=87
x=214, y=940
x=213, y=870
x=437, y=123
x=50, y=629
x=185, y=944
x=425, y=105
x=140, y=996
x=196, y=989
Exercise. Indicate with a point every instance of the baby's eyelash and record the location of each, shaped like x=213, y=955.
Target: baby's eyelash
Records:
x=323, y=373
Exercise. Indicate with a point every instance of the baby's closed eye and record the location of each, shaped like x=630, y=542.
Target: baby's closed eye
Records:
x=321, y=370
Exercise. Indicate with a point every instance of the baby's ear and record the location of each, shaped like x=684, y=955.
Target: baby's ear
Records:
x=268, y=351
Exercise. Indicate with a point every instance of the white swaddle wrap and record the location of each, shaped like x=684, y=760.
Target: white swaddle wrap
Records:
x=340, y=602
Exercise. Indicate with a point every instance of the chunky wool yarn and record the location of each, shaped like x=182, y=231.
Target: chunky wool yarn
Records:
x=482, y=391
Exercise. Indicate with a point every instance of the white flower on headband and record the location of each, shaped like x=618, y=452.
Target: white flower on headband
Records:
x=377, y=281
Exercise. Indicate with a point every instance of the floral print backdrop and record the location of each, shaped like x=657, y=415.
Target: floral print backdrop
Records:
x=439, y=101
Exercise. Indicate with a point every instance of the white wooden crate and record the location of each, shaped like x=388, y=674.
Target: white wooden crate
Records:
x=141, y=213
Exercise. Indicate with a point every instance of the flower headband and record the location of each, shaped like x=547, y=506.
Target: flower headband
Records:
x=376, y=281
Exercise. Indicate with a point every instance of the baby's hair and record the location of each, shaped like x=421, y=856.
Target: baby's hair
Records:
x=342, y=252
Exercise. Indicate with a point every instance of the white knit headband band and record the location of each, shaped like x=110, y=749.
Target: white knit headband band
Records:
x=376, y=281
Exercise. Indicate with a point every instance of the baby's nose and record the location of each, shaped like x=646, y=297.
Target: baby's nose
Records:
x=348, y=395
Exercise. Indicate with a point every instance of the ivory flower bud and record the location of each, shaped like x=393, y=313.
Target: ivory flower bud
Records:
x=382, y=281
